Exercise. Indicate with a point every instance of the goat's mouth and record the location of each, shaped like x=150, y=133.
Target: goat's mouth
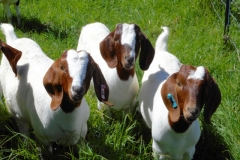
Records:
x=191, y=118
x=77, y=98
x=128, y=66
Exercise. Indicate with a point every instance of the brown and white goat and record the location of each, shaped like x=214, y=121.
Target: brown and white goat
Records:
x=171, y=99
x=116, y=53
x=47, y=94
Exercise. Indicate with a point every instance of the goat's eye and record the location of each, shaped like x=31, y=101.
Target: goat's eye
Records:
x=116, y=40
x=61, y=67
x=179, y=84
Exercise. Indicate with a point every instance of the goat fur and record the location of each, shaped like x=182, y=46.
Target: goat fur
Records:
x=175, y=132
x=35, y=90
x=110, y=53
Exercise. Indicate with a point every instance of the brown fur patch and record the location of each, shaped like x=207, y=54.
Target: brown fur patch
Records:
x=190, y=95
x=115, y=54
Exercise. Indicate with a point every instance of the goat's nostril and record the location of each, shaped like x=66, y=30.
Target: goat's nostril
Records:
x=78, y=89
x=194, y=112
x=130, y=60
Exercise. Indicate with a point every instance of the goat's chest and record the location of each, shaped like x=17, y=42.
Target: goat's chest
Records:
x=63, y=128
x=175, y=143
x=121, y=92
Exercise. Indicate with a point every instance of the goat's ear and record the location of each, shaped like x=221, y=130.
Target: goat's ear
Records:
x=100, y=85
x=213, y=98
x=107, y=50
x=169, y=87
x=12, y=54
x=147, y=52
x=52, y=84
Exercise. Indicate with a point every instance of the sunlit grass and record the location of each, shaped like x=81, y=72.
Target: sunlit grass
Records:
x=196, y=38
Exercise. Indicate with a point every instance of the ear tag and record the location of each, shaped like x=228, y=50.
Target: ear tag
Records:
x=103, y=91
x=172, y=100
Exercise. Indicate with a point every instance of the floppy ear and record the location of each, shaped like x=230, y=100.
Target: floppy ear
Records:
x=147, y=52
x=100, y=85
x=213, y=99
x=52, y=84
x=107, y=50
x=169, y=87
x=12, y=54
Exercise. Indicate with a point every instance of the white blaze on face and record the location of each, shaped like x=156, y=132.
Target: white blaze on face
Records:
x=77, y=66
x=129, y=37
x=198, y=74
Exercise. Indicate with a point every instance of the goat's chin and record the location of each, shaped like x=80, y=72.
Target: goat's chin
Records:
x=128, y=67
x=77, y=98
x=190, y=119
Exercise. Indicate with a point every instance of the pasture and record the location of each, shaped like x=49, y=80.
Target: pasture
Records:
x=196, y=38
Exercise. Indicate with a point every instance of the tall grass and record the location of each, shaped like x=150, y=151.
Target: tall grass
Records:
x=195, y=38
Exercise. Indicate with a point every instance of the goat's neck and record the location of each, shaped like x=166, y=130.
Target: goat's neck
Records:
x=68, y=105
x=123, y=73
x=180, y=126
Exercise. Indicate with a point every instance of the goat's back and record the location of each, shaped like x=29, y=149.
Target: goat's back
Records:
x=90, y=37
x=31, y=68
x=27, y=99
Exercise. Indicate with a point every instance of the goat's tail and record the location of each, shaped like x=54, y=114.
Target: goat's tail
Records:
x=8, y=31
x=162, y=40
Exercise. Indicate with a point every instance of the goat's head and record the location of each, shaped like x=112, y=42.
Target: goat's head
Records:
x=12, y=55
x=191, y=88
x=121, y=47
x=68, y=80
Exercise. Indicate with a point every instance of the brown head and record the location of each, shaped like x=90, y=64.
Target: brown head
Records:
x=12, y=55
x=191, y=88
x=121, y=48
x=68, y=80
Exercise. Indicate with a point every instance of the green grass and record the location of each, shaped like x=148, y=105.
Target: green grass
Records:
x=196, y=38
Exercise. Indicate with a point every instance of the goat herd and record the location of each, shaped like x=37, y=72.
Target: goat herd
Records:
x=49, y=95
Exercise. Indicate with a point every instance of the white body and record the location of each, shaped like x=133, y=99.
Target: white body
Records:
x=28, y=101
x=121, y=93
x=166, y=142
x=6, y=5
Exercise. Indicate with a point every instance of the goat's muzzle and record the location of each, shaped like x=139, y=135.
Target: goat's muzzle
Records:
x=78, y=93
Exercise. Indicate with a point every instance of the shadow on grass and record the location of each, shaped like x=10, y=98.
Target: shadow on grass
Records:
x=120, y=138
x=211, y=146
x=34, y=25
x=14, y=145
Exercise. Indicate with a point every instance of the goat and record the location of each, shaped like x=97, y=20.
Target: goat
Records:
x=47, y=94
x=171, y=99
x=116, y=53
x=6, y=5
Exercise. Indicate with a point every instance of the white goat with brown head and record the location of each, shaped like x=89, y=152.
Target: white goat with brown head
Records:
x=47, y=94
x=116, y=53
x=171, y=99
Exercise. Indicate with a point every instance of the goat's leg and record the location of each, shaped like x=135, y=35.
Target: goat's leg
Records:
x=18, y=14
x=9, y=15
x=22, y=126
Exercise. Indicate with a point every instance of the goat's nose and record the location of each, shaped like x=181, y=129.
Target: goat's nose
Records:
x=78, y=89
x=130, y=60
x=193, y=111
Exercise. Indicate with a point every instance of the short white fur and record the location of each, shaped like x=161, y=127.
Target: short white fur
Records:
x=129, y=37
x=77, y=64
x=90, y=37
x=197, y=74
x=28, y=100
x=167, y=144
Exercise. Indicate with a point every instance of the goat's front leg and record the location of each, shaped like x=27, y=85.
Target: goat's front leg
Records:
x=18, y=14
x=23, y=127
x=9, y=15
